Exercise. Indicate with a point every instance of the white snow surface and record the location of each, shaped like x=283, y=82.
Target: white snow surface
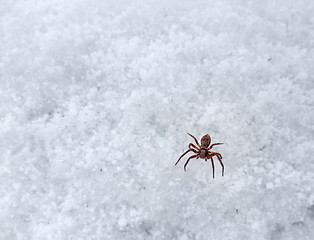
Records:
x=96, y=98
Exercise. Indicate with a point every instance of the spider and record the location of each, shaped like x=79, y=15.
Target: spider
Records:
x=202, y=151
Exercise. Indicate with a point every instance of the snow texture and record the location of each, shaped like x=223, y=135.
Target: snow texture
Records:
x=96, y=100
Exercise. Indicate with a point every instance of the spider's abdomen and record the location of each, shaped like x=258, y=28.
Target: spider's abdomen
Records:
x=203, y=153
x=205, y=141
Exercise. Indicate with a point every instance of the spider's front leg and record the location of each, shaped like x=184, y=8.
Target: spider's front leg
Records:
x=218, y=155
x=186, y=153
x=213, y=166
x=193, y=156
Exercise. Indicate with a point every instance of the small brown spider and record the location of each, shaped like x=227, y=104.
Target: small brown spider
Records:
x=202, y=151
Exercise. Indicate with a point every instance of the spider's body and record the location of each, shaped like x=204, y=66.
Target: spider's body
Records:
x=203, y=151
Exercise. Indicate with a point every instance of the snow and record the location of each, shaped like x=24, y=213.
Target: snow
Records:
x=96, y=100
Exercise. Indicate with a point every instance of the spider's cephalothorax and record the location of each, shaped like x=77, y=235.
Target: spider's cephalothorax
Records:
x=202, y=151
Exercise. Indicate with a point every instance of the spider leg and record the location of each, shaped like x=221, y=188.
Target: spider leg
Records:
x=191, y=144
x=194, y=139
x=211, y=158
x=223, y=168
x=184, y=154
x=211, y=146
x=218, y=155
x=193, y=156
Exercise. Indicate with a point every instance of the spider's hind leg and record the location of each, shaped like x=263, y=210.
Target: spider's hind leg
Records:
x=194, y=139
x=214, y=144
x=192, y=145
